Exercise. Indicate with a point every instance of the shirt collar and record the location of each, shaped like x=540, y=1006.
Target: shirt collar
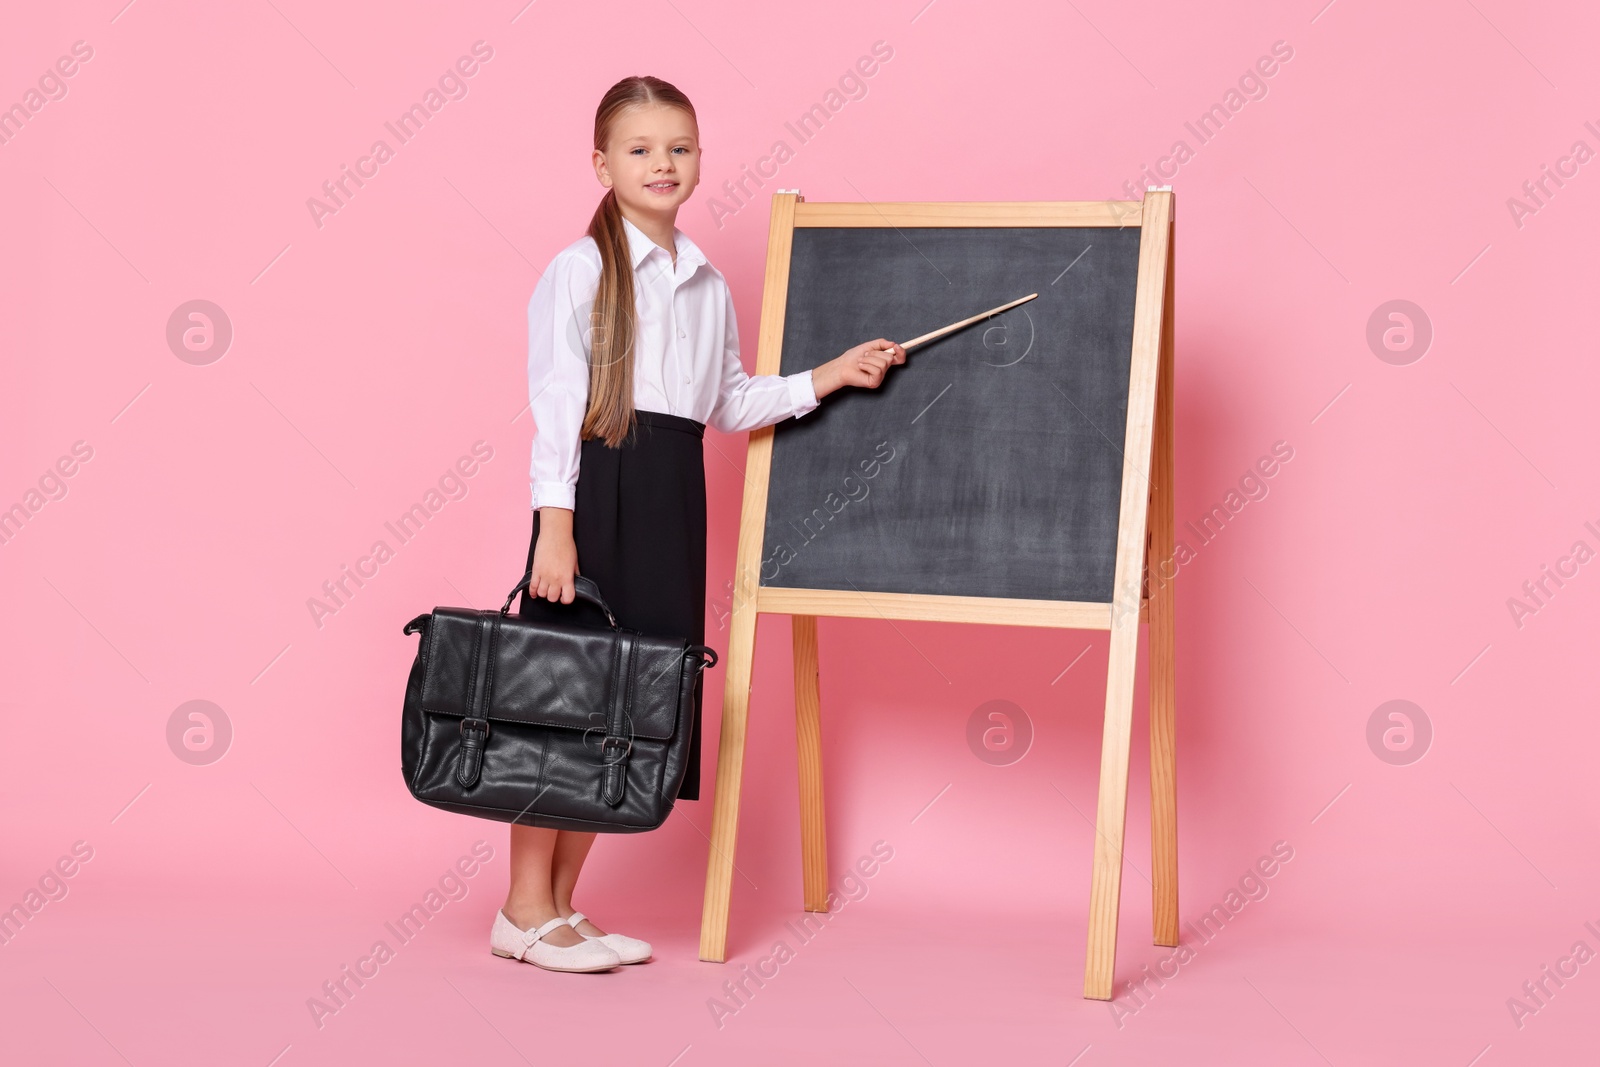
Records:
x=641, y=245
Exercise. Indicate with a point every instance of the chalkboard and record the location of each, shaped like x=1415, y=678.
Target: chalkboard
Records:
x=990, y=463
x=983, y=482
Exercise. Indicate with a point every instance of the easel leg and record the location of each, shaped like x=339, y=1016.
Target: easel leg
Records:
x=1163, y=771
x=808, y=742
x=1163, y=691
x=730, y=774
x=1150, y=338
x=1111, y=811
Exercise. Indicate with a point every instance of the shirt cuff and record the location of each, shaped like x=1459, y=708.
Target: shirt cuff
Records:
x=553, y=495
x=802, y=393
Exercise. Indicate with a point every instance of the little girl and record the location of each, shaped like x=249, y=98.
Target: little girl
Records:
x=632, y=350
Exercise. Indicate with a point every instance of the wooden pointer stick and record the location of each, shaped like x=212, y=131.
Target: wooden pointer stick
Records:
x=954, y=326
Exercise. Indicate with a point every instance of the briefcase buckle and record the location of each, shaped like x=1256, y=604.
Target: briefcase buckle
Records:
x=469, y=763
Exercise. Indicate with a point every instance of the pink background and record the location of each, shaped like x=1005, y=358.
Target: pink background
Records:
x=369, y=353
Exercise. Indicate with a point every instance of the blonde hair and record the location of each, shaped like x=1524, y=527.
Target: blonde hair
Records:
x=612, y=325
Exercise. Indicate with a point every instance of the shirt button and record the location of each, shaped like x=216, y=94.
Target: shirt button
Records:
x=682, y=334
x=686, y=379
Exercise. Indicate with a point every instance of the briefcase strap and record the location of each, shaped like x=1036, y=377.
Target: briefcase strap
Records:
x=480, y=690
x=618, y=743
x=583, y=589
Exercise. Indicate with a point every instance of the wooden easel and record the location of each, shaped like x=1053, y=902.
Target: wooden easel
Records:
x=1144, y=542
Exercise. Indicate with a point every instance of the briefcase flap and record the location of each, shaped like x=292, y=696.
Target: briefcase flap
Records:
x=548, y=675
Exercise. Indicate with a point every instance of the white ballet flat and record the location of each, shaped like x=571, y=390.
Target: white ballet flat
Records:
x=507, y=940
x=628, y=949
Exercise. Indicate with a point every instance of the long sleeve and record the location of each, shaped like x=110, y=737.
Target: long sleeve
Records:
x=558, y=375
x=748, y=402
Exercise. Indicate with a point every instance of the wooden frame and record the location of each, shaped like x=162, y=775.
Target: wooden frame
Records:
x=1141, y=593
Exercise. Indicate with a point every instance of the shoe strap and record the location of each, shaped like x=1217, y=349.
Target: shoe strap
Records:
x=533, y=936
x=575, y=918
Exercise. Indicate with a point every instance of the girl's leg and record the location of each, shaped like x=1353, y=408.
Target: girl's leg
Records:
x=530, y=903
x=571, y=849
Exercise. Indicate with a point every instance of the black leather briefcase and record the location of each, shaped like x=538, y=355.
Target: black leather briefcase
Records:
x=566, y=726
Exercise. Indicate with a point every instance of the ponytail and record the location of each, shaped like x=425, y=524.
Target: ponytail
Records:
x=611, y=326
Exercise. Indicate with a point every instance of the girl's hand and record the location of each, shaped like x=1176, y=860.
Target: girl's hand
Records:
x=555, y=557
x=863, y=366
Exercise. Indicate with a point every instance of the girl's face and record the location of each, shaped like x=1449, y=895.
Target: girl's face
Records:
x=652, y=160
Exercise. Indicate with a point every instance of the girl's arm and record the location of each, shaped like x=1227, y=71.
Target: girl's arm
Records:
x=863, y=366
x=555, y=557
x=558, y=393
x=746, y=402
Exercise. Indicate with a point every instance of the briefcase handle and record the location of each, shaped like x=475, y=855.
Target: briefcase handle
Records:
x=585, y=588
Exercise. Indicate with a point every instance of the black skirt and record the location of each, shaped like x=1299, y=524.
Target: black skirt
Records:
x=639, y=523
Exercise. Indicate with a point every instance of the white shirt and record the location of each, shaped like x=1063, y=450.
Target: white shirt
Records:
x=686, y=354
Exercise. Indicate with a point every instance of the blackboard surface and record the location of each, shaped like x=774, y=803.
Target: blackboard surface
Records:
x=990, y=464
